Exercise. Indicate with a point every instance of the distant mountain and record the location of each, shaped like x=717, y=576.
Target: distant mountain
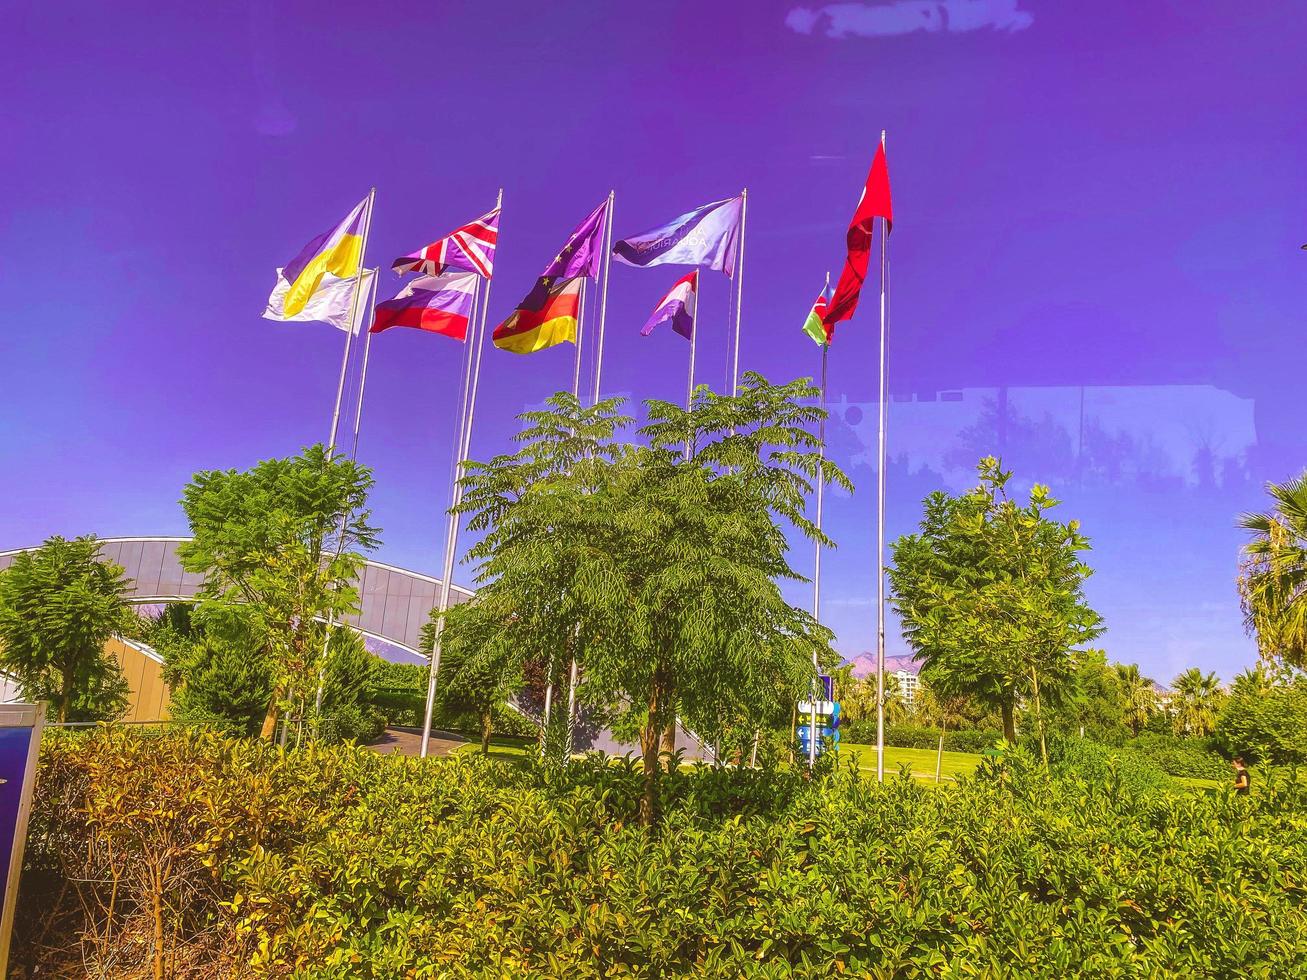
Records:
x=865, y=663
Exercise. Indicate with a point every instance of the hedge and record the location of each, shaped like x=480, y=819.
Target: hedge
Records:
x=863, y=732
x=1190, y=758
x=337, y=862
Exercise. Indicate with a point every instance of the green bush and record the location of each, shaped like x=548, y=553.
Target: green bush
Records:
x=920, y=736
x=338, y=862
x=359, y=723
x=1187, y=757
x=1102, y=765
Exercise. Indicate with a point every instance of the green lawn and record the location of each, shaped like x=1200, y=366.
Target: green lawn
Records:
x=505, y=750
x=922, y=761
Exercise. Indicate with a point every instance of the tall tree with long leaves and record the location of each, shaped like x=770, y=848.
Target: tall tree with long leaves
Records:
x=657, y=565
x=1139, y=694
x=277, y=547
x=991, y=594
x=1273, y=576
x=1196, y=700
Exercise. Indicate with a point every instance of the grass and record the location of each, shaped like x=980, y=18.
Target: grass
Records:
x=503, y=749
x=921, y=761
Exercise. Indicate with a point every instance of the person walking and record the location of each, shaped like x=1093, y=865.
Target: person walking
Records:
x=1241, y=782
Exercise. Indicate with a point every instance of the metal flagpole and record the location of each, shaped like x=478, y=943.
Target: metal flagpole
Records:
x=549, y=685
x=603, y=298
x=462, y=447
x=880, y=499
x=349, y=334
x=816, y=572
x=739, y=292
x=694, y=337
x=363, y=375
x=353, y=453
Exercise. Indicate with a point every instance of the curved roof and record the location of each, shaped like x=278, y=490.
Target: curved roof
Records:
x=395, y=602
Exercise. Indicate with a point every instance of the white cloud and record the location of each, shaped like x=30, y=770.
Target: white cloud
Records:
x=908, y=16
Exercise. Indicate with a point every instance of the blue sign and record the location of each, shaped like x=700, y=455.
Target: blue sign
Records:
x=20, y=737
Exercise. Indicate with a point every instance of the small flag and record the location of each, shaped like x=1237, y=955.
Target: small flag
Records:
x=470, y=248
x=820, y=331
x=330, y=302
x=678, y=306
x=338, y=251
x=546, y=317
x=874, y=203
x=439, y=304
x=583, y=250
x=708, y=236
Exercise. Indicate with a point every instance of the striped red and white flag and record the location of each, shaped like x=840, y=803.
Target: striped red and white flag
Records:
x=470, y=249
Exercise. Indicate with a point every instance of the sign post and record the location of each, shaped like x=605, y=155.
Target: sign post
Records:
x=20, y=737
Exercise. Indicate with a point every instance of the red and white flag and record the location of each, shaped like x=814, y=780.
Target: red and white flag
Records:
x=874, y=203
x=470, y=249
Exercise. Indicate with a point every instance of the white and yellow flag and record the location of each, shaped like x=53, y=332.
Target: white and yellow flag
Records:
x=328, y=303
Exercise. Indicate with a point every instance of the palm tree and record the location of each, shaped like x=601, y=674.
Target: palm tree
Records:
x=1273, y=577
x=1197, y=702
x=1139, y=694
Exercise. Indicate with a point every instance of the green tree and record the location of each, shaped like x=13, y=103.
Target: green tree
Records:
x=58, y=606
x=1196, y=702
x=944, y=707
x=1265, y=717
x=990, y=594
x=1140, y=695
x=1273, y=576
x=275, y=544
x=479, y=667
x=657, y=566
x=1093, y=703
x=216, y=669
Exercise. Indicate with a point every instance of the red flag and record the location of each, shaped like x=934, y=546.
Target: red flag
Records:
x=874, y=203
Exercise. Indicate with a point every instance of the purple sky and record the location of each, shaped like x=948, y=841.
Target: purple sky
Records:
x=1099, y=209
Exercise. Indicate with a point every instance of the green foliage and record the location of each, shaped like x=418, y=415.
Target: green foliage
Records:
x=1185, y=757
x=351, y=722
x=58, y=606
x=1273, y=577
x=1196, y=701
x=990, y=594
x=1093, y=703
x=1104, y=765
x=656, y=567
x=216, y=668
x=274, y=544
x=340, y=862
x=921, y=736
x=1140, y=697
x=1265, y=718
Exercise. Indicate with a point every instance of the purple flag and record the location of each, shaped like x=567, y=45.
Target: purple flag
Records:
x=678, y=306
x=581, y=255
x=709, y=236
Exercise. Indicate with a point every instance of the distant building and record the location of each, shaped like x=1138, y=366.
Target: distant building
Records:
x=907, y=686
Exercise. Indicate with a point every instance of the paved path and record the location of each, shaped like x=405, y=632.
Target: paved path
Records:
x=408, y=741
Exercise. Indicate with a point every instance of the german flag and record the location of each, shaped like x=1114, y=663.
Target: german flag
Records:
x=546, y=317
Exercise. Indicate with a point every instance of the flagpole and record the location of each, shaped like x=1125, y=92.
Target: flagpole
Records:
x=739, y=292
x=816, y=572
x=571, y=672
x=461, y=450
x=353, y=454
x=694, y=337
x=603, y=298
x=363, y=375
x=349, y=334
x=880, y=499
x=580, y=329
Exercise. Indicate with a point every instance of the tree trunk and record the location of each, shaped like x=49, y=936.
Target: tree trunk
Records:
x=649, y=738
x=1009, y=721
x=668, y=748
x=487, y=721
x=269, y=728
x=1039, y=718
x=65, y=692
